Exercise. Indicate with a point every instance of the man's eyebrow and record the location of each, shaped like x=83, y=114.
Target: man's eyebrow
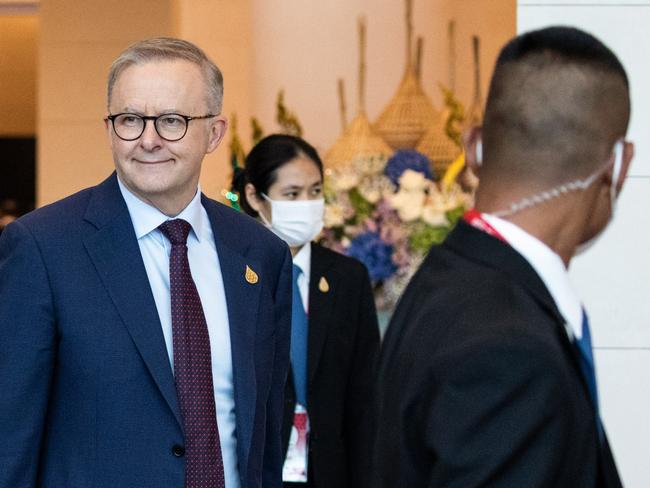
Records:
x=132, y=110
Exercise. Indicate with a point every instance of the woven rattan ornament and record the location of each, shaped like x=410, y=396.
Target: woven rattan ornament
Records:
x=410, y=112
x=358, y=141
x=438, y=147
x=441, y=147
x=475, y=112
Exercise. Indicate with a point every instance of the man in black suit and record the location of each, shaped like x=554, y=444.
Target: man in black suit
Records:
x=486, y=377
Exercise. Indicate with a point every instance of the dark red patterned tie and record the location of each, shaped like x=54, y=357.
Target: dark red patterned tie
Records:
x=193, y=367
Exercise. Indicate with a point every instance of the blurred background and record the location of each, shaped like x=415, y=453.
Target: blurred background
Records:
x=55, y=55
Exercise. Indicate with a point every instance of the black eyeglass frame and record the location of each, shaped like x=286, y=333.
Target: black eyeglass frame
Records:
x=155, y=119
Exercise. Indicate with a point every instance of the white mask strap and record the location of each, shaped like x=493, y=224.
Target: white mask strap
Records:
x=261, y=215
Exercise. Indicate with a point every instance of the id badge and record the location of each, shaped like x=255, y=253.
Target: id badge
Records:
x=295, y=464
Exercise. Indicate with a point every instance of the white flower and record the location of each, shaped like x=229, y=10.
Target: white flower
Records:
x=412, y=181
x=371, y=194
x=438, y=202
x=344, y=180
x=334, y=215
x=408, y=204
x=373, y=188
x=433, y=216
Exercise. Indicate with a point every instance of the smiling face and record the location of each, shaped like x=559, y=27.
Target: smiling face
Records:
x=162, y=173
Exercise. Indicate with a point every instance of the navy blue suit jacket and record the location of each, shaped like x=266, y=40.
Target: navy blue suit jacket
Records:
x=87, y=396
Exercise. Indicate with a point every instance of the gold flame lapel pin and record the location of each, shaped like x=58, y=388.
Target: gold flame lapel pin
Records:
x=251, y=276
x=323, y=285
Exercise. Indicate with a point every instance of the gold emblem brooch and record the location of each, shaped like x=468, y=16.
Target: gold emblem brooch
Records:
x=323, y=285
x=251, y=276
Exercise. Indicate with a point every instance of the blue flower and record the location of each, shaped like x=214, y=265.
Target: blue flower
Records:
x=375, y=253
x=404, y=159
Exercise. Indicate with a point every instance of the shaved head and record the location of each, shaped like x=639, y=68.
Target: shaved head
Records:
x=558, y=101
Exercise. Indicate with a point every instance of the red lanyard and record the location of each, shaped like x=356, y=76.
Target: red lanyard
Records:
x=474, y=218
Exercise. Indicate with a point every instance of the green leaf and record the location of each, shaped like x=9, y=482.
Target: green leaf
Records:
x=363, y=208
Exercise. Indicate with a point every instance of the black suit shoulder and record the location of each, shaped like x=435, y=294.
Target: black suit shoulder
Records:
x=456, y=293
x=342, y=349
x=477, y=381
x=348, y=266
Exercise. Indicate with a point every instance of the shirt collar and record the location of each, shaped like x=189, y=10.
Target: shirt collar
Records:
x=549, y=267
x=147, y=218
x=302, y=259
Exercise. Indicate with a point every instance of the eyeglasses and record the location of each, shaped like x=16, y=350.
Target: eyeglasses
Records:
x=171, y=127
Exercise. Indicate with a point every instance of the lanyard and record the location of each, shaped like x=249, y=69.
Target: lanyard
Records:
x=474, y=218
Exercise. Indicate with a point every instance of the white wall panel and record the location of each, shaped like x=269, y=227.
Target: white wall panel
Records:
x=612, y=276
x=588, y=3
x=625, y=396
x=630, y=44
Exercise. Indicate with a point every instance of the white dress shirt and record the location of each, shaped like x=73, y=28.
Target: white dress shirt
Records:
x=303, y=260
x=206, y=272
x=550, y=268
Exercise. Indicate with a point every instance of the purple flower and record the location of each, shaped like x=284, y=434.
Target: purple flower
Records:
x=404, y=159
x=375, y=253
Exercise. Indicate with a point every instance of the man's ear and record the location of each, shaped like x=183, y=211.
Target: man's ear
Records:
x=473, y=148
x=107, y=125
x=217, y=131
x=628, y=155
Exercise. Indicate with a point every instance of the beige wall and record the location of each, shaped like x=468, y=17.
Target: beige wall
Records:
x=223, y=29
x=304, y=47
x=18, y=48
x=75, y=55
x=495, y=23
x=78, y=41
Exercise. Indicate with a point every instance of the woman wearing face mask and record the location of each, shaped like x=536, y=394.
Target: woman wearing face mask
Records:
x=334, y=337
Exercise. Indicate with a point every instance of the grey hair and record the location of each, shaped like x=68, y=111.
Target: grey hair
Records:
x=168, y=48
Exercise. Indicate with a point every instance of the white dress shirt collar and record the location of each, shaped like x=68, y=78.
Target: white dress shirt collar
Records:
x=303, y=260
x=147, y=218
x=550, y=268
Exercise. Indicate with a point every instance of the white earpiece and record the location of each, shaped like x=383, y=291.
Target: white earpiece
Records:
x=616, y=174
x=618, y=162
x=479, y=152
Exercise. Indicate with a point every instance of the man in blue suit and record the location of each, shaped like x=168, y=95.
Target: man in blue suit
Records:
x=130, y=356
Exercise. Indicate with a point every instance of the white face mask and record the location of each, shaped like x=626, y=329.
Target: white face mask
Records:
x=296, y=222
x=613, y=196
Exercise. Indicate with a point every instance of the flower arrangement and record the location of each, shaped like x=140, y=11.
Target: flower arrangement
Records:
x=387, y=213
x=384, y=211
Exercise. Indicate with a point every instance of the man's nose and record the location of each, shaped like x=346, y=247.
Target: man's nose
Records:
x=150, y=139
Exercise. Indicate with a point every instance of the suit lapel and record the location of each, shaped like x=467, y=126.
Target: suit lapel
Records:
x=476, y=245
x=321, y=306
x=242, y=298
x=113, y=248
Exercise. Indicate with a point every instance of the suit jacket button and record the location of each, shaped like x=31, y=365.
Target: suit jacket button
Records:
x=178, y=451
